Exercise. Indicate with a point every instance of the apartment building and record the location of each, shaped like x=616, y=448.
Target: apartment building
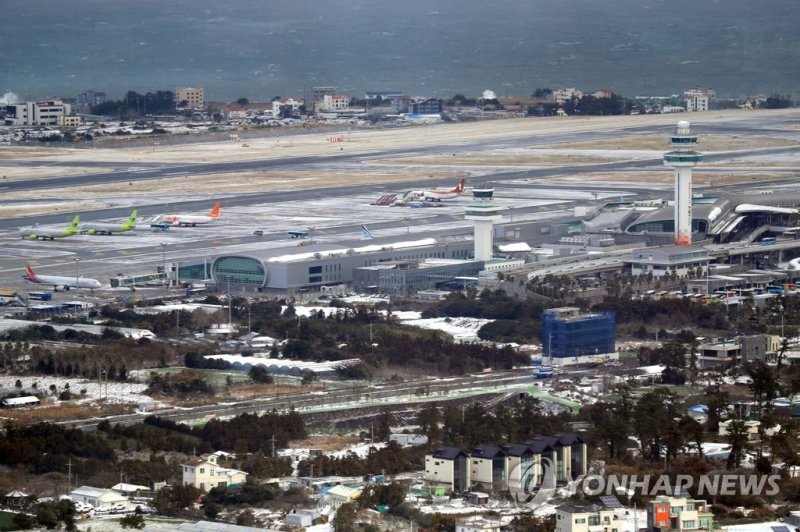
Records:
x=540, y=460
x=193, y=96
x=698, y=99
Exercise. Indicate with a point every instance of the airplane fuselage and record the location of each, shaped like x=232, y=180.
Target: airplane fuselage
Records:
x=65, y=282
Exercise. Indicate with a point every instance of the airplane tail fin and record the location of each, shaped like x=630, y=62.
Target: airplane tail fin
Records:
x=460, y=186
x=29, y=271
x=215, y=212
x=131, y=221
x=365, y=231
x=74, y=223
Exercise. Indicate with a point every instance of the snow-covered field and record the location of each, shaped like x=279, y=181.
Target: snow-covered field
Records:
x=111, y=391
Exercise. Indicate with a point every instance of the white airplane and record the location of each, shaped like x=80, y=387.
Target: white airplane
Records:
x=61, y=282
x=441, y=194
x=367, y=234
x=35, y=232
x=100, y=228
x=191, y=220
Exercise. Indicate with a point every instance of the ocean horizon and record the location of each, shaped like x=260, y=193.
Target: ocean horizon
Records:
x=258, y=50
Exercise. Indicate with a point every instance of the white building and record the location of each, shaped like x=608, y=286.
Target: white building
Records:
x=193, y=96
x=591, y=518
x=98, y=497
x=567, y=94
x=205, y=473
x=698, y=99
x=290, y=102
x=42, y=113
x=335, y=102
x=339, y=495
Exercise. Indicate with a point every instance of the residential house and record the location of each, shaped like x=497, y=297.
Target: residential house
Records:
x=205, y=473
x=97, y=496
x=340, y=494
x=448, y=466
x=678, y=513
x=590, y=518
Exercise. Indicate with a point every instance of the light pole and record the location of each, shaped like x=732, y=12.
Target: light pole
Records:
x=408, y=225
x=77, y=270
x=164, y=264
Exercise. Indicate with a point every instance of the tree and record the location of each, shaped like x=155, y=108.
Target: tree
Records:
x=308, y=377
x=260, y=374
x=243, y=101
x=383, y=430
x=132, y=521
x=764, y=384
x=345, y=519
x=737, y=438
x=542, y=93
x=22, y=521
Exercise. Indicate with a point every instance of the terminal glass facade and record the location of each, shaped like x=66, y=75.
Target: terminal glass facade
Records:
x=239, y=270
x=578, y=335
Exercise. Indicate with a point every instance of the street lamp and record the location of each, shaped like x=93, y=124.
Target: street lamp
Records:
x=164, y=263
x=408, y=224
x=77, y=271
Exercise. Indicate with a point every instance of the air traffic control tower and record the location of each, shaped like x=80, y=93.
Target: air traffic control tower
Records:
x=683, y=158
x=484, y=213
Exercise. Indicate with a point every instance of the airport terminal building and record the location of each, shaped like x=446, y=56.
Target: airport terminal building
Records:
x=314, y=265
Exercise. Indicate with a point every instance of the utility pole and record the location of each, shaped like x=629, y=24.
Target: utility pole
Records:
x=273, y=446
x=69, y=475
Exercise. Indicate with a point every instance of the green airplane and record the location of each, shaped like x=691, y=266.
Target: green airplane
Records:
x=100, y=228
x=35, y=232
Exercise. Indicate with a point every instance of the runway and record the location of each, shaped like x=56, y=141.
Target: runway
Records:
x=336, y=211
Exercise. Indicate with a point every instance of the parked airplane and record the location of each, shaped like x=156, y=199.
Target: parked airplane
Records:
x=35, y=232
x=365, y=231
x=61, y=282
x=441, y=194
x=100, y=228
x=191, y=220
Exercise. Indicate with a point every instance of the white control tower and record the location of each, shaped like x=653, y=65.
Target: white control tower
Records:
x=484, y=214
x=683, y=158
